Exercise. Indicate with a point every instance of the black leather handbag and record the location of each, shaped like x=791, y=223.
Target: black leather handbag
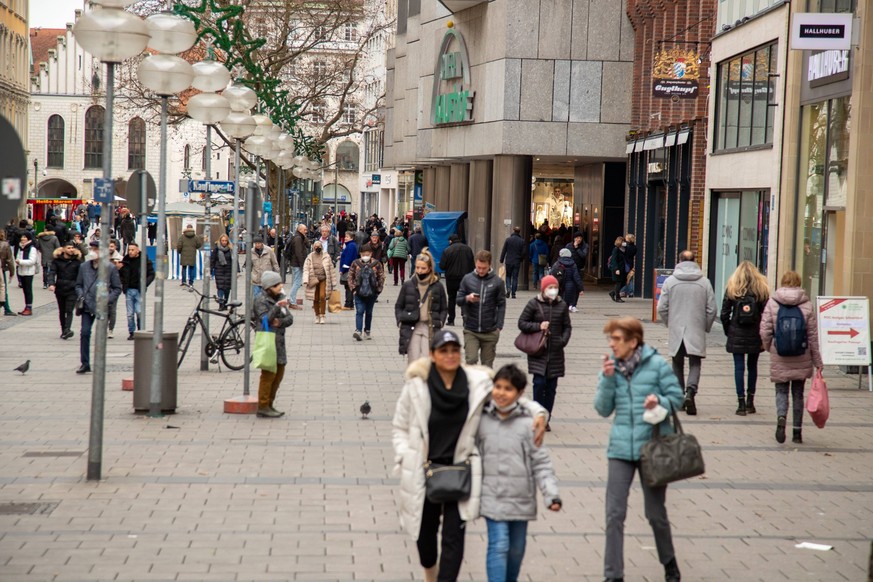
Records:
x=671, y=457
x=445, y=483
x=80, y=306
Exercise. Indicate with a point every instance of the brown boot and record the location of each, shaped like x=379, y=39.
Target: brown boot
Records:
x=430, y=574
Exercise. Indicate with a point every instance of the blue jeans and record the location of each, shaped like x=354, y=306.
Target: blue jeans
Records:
x=133, y=300
x=506, y=543
x=544, y=391
x=539, y=272
x=364, y=307
x=512, y=278
x=188, y=273
x=223, y=295
x=296, y=283
x=85, y=338
x=256, y=290
x=739, y=373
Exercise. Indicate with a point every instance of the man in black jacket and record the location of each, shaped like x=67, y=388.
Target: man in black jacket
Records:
x=417, y=242
x=512, y=256
x=64, y=272
x=131, y=268
x=296, y=251
x=482, y=298
x=456, y=262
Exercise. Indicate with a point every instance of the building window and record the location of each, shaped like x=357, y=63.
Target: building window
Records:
x=350, y=113
x=744, y=117
x=729, y=11
x=94, y=118
x=186, y=158
x=350, y=32
x=316, y=113
x=832, y=6
x=347, y=154
x=55, y=158
x=373, y=150
x=319, y=69
x=136, y=144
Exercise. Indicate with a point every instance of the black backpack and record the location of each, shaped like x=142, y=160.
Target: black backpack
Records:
x=559, y=272
x=366, y=281
x=790, y=331
x=746, y=311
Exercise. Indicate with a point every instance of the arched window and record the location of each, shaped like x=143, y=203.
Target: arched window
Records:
x=94, y=117
x=136, y=144
x=55, y=158
x=347, y=155
x=186, y=157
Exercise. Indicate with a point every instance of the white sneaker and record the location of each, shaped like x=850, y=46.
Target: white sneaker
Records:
x=367, y=335
x=317, y=319
x=323, y=319
x=110, y=334
x=573, y=309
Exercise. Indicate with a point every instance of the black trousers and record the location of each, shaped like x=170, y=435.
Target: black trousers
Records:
x=350, y=297
x=66, y=304
x=452, y=286
x=452, y=554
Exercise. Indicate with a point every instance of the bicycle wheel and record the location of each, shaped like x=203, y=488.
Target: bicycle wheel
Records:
x=185, y=341
x=232, y=346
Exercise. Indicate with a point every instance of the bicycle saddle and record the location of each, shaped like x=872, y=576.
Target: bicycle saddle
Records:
x=234, y=303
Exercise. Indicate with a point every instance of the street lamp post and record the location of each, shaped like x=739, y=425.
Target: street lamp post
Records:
x=112, y=35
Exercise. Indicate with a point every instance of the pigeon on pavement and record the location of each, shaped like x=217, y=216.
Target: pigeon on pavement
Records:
x=23, y=368
x=365, y=409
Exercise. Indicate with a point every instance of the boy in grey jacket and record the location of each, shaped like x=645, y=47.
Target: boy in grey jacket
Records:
x=512, y=467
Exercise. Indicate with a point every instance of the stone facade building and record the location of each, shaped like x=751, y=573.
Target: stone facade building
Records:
x=14, y=65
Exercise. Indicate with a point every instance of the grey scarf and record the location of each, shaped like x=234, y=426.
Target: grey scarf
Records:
x=627, y=367
x=222, y=252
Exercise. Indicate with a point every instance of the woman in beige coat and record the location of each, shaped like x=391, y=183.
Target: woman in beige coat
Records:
x=319, y=279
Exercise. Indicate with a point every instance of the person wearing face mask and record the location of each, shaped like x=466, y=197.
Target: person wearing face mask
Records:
x=547, y=311
x=366, y=279
x=65, y=271
x=272, y=304
x=263, y=260
x=27, y=264
x=319, y=278
x=421, y=309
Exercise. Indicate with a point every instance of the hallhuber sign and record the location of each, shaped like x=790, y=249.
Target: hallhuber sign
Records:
x=452, y=96
x=821, y=31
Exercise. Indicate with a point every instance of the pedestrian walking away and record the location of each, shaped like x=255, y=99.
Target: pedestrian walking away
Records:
x=638, y=387
x=398, y=252
x=221, y=265
x=789, y=331
x=421, y=308
x=687, y=307
x=482, y=298
x=296, y=251
x=455, y=263
x=86, y=288
x=570, y=284
x=512, y=257
x=436, y=420
x=417, y=243
x=129, y=274
x=547, y=312
x=48, y=244
x=630, y=254
x=512, y=469
x=348, y=256
x=27, y=266
x=65, y=272
x=744, y=300
x=126, y=228
x=187, y=246
x=272, y=304
x=539, y=258
x=263, y=259
x=617, y=266
x=366, y=280
x=319, y=279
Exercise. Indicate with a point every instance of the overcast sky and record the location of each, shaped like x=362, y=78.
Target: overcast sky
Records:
x=52, y=13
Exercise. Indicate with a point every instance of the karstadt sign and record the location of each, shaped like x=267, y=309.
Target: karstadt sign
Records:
x=452, y=95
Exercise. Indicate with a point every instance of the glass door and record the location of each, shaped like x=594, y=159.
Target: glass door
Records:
x=727, y=243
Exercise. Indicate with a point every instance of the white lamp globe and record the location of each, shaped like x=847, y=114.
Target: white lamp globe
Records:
x=286, y=142
x=298, y=172
x=238, y=125
x=110, y=34
x=208, y=108
x=241, y=97
x=283, y=159
x=264, y=124
x=313, y=165
x=170, y=33
x=299, y=160
x=165, y=74
x=210, y=76
x=256, y=144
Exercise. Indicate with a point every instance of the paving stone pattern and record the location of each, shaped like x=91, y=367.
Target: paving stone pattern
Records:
x=311, y=496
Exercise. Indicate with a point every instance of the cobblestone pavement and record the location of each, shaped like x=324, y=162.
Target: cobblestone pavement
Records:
x=311, y=496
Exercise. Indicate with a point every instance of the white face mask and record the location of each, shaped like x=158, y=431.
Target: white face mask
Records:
x=366, y=258
x=507, y=408
x=624, y=244
x=551, y=293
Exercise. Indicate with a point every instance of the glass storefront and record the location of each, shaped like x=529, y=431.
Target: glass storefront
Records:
x=741, y=231
x=552, y=202
x=822, y=190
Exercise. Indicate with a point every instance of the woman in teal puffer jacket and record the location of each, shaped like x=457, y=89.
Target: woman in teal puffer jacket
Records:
x=634, y=380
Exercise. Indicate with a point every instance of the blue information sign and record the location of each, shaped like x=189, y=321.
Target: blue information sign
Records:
x=103, y=190
x=210, y=186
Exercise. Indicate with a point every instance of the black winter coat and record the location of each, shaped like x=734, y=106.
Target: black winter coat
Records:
x=514, y=250
x=417, y=242
x=741, y=339
x=130, y=270
x=457, y=261
x=551, y=363
x=486, y=315
x=223, y=274
x=409, y=303
x=65, y=272
x=630, y=255
x=572, y=279
x=579, y=255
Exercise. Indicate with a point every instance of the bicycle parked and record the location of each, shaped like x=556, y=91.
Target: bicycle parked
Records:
x=229, y=343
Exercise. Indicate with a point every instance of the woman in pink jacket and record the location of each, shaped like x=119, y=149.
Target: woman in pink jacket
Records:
x=789, y=331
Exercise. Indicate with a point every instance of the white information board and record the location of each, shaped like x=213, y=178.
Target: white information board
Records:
x=844, y=330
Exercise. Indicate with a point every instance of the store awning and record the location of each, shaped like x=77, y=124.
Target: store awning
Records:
x=670, y=140
x=654, y=142
x=683, y=136
x=630, y=147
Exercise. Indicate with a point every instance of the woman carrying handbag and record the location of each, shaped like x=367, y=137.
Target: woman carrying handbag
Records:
x=421, y=308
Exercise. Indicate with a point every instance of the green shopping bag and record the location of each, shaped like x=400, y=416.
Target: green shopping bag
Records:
x=264, y=352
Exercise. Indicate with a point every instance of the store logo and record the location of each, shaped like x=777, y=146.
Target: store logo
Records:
x=828, y=67
x=455, y=105
x=676, y=73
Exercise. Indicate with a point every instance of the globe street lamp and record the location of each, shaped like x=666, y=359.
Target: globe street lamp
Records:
x=111, y=35
x=165, y=74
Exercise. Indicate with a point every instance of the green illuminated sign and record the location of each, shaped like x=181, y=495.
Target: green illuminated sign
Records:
x=455, y=103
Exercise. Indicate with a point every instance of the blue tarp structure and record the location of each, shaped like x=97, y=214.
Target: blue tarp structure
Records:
x=438, y=226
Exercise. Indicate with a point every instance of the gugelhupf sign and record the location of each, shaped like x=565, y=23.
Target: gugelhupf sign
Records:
x=452, y=95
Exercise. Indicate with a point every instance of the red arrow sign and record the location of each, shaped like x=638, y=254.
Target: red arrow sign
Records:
x=851, y=333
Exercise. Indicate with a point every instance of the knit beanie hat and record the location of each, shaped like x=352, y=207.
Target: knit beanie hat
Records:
x=546, y=281
x=565, y=253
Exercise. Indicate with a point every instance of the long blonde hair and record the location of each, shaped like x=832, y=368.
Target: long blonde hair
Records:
x=425, y=257
x=747, y=280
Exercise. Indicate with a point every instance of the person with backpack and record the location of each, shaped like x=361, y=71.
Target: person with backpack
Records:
x=398, y=252
x=569, y=280
x=48, y=243
x=744, y=300
x=366, y=279
x=789, y=331
x=421, y=308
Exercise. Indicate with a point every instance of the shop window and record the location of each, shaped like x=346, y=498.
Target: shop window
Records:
x=552, y=202
x=55, y=157
x=744, y=116
x=94, y=118
x=136, y=144
x=347, y=154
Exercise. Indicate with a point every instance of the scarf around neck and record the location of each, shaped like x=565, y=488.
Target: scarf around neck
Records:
x=626, y=367
x=223, y=251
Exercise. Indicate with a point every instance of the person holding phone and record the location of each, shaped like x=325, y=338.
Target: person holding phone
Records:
x=273, y=304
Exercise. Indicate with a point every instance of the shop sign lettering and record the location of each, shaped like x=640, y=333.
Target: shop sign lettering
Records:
x=452, y=95
x=828, y=67
x=676, y=73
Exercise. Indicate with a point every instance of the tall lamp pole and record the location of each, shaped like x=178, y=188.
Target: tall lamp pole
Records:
x=112, y=35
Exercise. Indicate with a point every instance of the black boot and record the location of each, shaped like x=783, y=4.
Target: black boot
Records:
x=798, y=437
x=671, y=571
x=780, y=430
x=689, y=405
x=750, y=404
x=741, y=406
x=612, y=295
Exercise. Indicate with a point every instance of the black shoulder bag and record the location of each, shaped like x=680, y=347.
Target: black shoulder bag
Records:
x=671, y=457
x=446, y=483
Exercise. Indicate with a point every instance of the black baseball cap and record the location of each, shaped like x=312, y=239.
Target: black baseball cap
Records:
x=444, y=337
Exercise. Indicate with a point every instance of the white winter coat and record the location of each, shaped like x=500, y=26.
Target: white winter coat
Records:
x=28, y=261
x=411, y=440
